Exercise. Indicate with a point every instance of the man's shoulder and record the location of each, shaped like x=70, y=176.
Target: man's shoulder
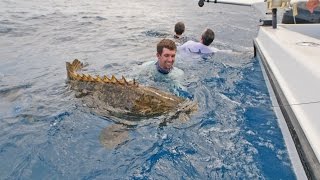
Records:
x=146, y=67
x=180, y=71
x=191, y=42
x=176, y=74
x=196, y=47
x=206, y=50
x=148, y=63
x=188, y=44
x=179, y=40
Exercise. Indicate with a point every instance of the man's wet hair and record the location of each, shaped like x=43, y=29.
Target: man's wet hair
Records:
x=166, y=43
x=207, y=37
x=179, y=28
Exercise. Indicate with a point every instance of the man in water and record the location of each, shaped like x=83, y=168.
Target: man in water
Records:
x=178, y=36
x=163, y=69
x=178, y=30
x=162, y=72
x=201, y=47
x=166, y=53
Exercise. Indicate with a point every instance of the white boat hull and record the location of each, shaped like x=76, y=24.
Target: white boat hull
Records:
x=291, y=57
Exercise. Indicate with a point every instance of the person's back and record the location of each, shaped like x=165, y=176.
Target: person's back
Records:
x=196, y=47
x=201, y=47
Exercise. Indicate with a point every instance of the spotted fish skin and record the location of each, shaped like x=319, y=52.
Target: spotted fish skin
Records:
x=109, y=96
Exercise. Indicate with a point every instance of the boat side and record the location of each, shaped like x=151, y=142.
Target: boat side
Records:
x=292, y=63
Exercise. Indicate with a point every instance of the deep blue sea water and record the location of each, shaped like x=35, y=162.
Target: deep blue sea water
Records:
x=46, y=134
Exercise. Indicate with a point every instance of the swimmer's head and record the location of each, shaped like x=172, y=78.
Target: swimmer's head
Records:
x=207, y=37
x=166, y=43
x=166, y=53
x=179, y=28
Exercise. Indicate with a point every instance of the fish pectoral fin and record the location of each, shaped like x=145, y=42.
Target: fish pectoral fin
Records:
x=114, y=135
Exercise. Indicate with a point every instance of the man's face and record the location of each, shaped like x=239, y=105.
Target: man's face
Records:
x=167, y=58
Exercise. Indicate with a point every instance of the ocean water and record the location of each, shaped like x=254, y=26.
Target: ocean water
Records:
x=47, y=134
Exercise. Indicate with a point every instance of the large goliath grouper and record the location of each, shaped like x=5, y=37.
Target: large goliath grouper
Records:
x=125, y=102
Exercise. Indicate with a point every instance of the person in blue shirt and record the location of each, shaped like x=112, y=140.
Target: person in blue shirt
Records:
x=202, y=47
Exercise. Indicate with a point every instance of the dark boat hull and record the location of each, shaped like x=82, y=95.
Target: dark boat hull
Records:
x=304, y=16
